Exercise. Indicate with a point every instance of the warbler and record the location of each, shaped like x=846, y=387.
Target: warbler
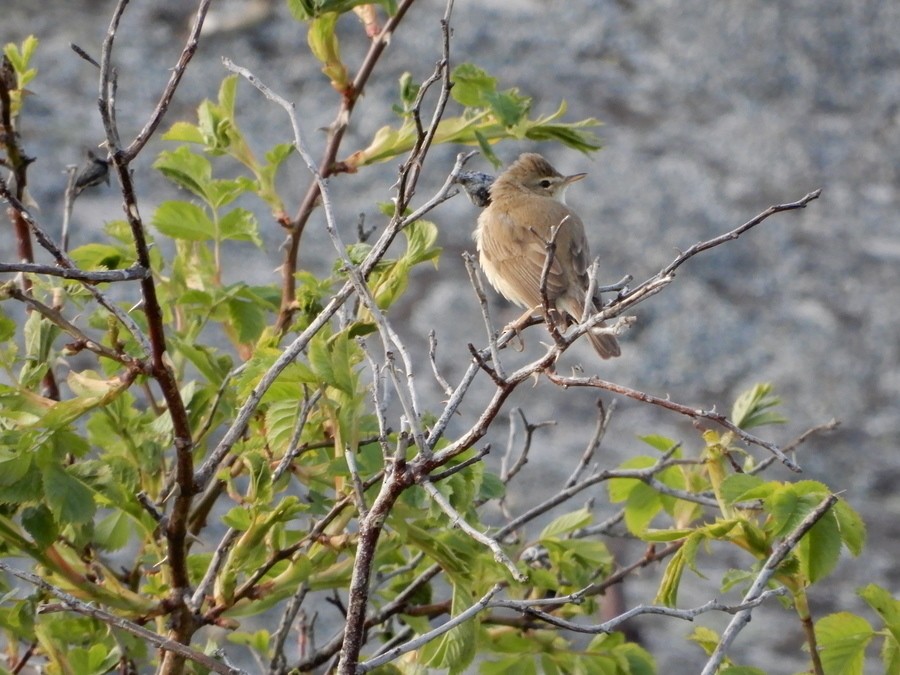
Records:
x=527, y=201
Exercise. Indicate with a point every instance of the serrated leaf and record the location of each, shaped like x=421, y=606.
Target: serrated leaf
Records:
x=842, y=639
x=752, y=407
x=820, y=548
x=851, y=525
x=182, y=166
x=239, y=518
x=182, y=220
x=40, y=524
x=887, y=607
x=240, y=225
x=68, y=498
x=736, y=485
x=471, y=85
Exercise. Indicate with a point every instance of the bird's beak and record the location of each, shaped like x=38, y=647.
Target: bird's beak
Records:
x=574, y=178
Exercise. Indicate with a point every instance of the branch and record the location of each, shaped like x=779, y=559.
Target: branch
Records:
x=93, y=277
x=457, y=520
x=527, y=608
x=64, y=261
x=742, y=618
x=694, y=413
x=425, y=638
x=187, y=53
x=87, y=609
x=326, y=165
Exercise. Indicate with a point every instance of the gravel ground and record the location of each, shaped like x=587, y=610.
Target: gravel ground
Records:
x=712, y=112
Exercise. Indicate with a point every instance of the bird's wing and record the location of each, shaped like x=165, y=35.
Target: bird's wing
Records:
x=521, y=251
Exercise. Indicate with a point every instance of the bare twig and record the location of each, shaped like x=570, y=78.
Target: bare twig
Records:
x=695, y=413
x=604, y=415
x=475, y=279
x=507, y=473
x=432, y=357
x=327, y=165
x=132, y=273
x=284, y=627
x=788, y=544
x=425, y=638
x=527, y=607
x=457, y=520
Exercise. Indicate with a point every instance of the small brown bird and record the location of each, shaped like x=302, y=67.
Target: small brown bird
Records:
x=527, y=202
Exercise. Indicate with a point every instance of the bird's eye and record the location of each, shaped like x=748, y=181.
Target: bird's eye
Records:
x=545, y=183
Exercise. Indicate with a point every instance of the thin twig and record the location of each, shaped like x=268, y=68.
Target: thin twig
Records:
x=475, y=279
x=135, y=272
x=432, y=357
x=710, y=415
x=72, y=603
x=757, y=589
x=527, y=608
x=457, y=520
x=425, y=638
x=604, y=415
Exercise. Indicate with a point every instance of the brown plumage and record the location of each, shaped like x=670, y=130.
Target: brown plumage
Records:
x=527, y=201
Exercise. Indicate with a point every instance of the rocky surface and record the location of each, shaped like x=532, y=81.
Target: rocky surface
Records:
x=712, y=112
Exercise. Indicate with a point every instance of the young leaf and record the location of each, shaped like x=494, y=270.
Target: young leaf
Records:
x=843, y=638
x=566, y=523
x=182, y=220
x=887, y=607
x=68, y=498
x=752, y=408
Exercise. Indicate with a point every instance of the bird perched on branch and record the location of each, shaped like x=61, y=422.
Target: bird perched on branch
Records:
x=527, y=201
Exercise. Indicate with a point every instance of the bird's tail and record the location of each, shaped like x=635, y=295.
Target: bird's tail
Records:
x=603, y=343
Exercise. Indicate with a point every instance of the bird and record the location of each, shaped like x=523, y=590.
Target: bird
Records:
x=527, y=201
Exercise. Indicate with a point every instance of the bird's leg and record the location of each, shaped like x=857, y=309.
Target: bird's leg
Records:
x=516, y=326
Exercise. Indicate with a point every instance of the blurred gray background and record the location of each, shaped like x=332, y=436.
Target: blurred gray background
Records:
x=712, y=112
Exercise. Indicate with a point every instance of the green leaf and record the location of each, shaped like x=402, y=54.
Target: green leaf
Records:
x=568, y=522
x=40, y=524
x=100, y=257
x=323, y=43
x=820, y=548
x=842, y=639
x=851, y=525
x=113, y=532
x=752, y=408
x=240, y=225
x=248, y=317
x=737, y=485
x=182, y=220
x=185, y=168
x=887, y=607
x=741, y=670
x=661, y=443
x=471, y=85
x=620, y=488
x=68, y=498
x=641, y=508
x=13, y=466
x=671, y=580
x=706, y=638
x=455, y=650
